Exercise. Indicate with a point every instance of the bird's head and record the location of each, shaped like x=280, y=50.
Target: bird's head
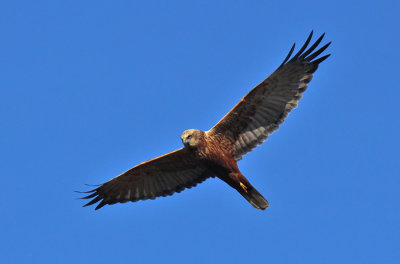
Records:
x=191, y=137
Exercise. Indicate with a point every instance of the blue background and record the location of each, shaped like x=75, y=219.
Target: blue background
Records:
x=92, y=88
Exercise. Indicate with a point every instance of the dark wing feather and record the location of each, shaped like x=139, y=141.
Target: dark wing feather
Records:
x=265, y=107
x=161, y=176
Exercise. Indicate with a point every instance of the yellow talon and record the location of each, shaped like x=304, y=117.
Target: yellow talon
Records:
x=243, y=187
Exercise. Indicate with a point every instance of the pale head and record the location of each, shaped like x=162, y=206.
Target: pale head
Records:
x=191, y=137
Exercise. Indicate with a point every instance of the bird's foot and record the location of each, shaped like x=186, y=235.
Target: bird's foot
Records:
x=243, y=187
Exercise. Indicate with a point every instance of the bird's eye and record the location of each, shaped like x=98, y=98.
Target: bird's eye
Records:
x=188, y=137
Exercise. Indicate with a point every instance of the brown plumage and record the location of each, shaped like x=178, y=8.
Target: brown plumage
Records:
x=216, y=152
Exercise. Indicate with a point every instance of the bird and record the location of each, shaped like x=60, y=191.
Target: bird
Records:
x=215, y=153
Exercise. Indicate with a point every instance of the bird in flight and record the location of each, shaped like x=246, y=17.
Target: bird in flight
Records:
x=215, y=153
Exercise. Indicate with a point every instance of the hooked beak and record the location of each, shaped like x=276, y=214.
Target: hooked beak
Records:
x=184, y=141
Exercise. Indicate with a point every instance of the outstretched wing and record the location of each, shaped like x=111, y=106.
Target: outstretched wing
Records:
x=161, y=176
x=265, y=107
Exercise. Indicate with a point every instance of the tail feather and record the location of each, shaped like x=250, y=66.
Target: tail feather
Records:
x=243, y=186
x=255, y=198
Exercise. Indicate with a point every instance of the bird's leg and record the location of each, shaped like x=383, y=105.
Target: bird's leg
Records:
x=238, y=178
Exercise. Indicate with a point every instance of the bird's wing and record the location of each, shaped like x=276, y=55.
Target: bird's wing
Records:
x=161, y=176
x=265, y=107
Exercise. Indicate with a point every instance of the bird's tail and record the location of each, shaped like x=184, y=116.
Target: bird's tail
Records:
x=254, y=197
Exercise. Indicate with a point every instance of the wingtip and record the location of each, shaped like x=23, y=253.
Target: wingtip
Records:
x=289, y=54
x=305, y=45
x=86, y=191
x=319, y=60
x=100, y=205
x=92, y=185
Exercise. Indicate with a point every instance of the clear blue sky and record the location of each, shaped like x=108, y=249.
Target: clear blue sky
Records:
x=92, y=88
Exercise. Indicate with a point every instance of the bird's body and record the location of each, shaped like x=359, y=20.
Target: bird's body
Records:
x=215, y=153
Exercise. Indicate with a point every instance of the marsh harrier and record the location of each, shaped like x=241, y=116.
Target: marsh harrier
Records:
x=215, y=153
